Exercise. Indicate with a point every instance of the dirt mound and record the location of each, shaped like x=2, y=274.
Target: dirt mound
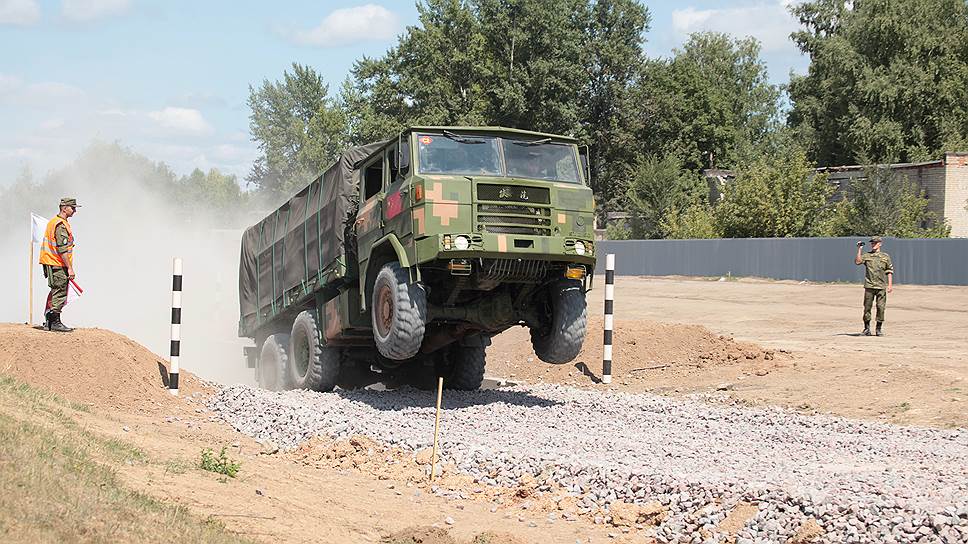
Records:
x=91, y=366
x=638, y=346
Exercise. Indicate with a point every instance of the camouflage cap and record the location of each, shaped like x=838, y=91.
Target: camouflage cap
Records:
x=876, y=239
x=72, y=202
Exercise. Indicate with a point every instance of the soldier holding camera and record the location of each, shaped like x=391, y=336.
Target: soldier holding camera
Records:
x=878, y=281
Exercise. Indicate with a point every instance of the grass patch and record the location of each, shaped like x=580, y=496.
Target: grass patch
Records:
x=904, y=406
x=58, y=481
x=221, y=464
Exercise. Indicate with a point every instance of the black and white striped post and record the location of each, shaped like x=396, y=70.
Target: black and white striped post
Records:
x=176, y=308
x=609, y=309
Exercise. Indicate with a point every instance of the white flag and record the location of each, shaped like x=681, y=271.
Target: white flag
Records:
x=38, y=225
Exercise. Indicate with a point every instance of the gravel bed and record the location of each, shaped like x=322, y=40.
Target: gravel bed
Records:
x=862, y=481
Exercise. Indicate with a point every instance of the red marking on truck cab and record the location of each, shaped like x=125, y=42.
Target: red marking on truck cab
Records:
x=394, y=205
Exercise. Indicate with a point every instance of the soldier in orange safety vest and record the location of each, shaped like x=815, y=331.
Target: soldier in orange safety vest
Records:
x=57, y=258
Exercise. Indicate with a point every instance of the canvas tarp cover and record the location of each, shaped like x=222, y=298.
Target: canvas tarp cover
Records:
x=305, y=235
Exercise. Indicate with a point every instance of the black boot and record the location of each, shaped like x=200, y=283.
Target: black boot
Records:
x=879, y=331
x=55, y=323
x=867, y=328
x=47, y=320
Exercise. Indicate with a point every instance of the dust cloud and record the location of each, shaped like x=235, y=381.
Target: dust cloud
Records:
x=126, y=236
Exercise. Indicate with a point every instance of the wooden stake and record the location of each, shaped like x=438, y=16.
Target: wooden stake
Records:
x=30, y=285
x=433, y=454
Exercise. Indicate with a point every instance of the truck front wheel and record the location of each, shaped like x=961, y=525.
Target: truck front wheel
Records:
x=561, y=341
x=273, y=363
x=313, y=365
x=399, y=313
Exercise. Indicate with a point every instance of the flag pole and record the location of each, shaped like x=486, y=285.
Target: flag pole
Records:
x=30, y=281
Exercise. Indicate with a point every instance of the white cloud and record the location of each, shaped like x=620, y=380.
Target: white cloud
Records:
x=769, y=22
x=181, y=119
x=89, y=10
x=350, y=25
x=19, y=12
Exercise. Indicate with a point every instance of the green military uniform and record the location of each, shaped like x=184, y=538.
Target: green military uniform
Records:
x=57, y=275
x=877, y=265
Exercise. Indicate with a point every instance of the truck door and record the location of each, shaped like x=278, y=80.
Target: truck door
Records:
x=369, y=220
x=397, y=211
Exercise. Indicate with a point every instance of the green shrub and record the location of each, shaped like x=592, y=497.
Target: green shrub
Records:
x=221, y=464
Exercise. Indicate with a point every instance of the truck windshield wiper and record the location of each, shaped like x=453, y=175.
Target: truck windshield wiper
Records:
x=461, y=139
x=531, y=143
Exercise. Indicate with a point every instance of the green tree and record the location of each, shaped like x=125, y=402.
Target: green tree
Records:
x=885, y=203
x=697, y=221
x=613, y=58
x=660, y=187
x=211, y=194
x=775, y=196
x=300, y=131
x=888, y=79
x=433, y=76
x=709, y=103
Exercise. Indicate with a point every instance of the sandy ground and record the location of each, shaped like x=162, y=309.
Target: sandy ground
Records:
x=916, y=374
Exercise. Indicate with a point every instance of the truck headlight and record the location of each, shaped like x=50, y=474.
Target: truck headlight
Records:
x=461, y=243
x=580, y=248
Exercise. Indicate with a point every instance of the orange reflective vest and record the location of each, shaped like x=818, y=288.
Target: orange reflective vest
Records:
x=48, y=247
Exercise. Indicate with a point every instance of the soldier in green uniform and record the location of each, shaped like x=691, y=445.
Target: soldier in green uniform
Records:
x=878, y=281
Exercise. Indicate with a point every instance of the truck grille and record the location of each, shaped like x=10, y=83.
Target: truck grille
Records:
x=513, y=270
x=519, y=213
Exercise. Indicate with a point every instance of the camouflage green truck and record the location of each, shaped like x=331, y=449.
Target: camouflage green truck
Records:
x=408, y=255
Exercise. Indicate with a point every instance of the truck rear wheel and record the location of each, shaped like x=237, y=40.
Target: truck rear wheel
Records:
x=399, y=313
x=561, y=341
x=273, y=362
x=465, y=370
x=312, y=365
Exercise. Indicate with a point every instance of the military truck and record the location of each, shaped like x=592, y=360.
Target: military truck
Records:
x=408, y=255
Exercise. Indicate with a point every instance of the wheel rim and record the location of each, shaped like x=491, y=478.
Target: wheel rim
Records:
x=384, y=311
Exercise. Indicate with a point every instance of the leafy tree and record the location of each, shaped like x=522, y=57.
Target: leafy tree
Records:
x=888, y=79
x=697, y=221
x=885, y=203
x=300, y=131
x=433, y=76
x=709, y=103
x=775, y=196
x=202, y=193
x=534, y=65
x=613, y=58
x=660, y=187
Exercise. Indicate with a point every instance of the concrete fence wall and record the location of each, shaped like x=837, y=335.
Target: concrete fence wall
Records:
x=924, y=261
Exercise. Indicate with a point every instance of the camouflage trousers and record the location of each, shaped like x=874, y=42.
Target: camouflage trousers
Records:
x=57, y=281
x=869, y=296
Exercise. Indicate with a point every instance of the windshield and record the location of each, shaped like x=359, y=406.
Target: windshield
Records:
x=474, y=155
x=541, y=160
x=454, y=154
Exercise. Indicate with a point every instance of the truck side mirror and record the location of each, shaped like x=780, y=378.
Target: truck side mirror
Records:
x=585, y=164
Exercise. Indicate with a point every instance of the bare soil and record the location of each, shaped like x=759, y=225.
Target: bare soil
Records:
x=682, y=336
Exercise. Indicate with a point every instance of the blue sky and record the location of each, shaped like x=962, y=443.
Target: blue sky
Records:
x=170, y=79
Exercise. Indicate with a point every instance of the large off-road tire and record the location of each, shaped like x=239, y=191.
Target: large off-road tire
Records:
x=399, y=313
x=561, y=341
x=311, y=364
x=273, y=363
x=465, y=367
